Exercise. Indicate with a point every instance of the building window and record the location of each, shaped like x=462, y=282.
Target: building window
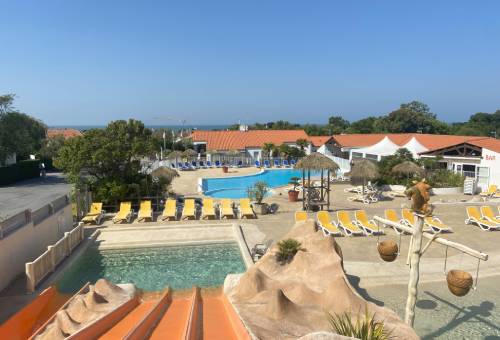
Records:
x=357, y=155
x=372, y=157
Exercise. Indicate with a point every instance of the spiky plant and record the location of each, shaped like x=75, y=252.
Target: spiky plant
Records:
x=287, y=250
x=363, y=327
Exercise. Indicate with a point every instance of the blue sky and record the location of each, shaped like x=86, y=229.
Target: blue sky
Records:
x=213, y=62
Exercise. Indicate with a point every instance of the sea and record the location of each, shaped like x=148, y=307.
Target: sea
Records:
x=154, y=127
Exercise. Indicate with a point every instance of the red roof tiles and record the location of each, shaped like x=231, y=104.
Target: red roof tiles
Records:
x=66, y=133
x=239, y=140
x=319, y=140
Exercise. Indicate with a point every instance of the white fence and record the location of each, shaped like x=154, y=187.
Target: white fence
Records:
x=46, y=263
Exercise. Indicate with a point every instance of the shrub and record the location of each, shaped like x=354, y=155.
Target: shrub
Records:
x=258, y=191
x=287, y=250
x=445, y=178
x=295, y=182
x=363, y=327
x=18, y=172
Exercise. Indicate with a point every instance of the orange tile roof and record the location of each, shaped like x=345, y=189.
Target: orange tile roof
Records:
x=431, y=142
x=319, y=140
x=66, y=133
x=239, y=140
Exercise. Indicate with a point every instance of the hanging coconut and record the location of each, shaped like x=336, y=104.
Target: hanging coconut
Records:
x=459, y=282
x=388, y=250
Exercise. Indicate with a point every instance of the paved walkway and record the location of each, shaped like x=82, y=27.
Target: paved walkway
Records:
x=31, y=194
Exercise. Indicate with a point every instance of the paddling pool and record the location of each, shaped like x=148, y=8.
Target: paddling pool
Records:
x=237, y=187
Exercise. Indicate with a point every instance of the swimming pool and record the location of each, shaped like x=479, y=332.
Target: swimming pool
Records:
x=236, y=187
x=155, y=268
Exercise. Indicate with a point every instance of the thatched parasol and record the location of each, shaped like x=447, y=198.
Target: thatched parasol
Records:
x=189, y=153
x=175, y=155
x=165, y=172
x=316, y=161
x=407, y=168
x=363, y=169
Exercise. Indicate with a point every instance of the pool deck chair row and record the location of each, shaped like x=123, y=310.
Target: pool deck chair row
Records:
x=491, y=192
x=432, y=224
x=209, y=209
x=360, y=226
x=484, y=219
x=95, y=215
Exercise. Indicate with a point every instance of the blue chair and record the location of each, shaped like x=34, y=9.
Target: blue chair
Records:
x=180, y=166
x=285, y=163
x=277, y=163
x=194, y=165
x=266, y=163
x=202, y=164
x=293, y=162
x=217, y=164
x=209, y=164
x=187, y=166
x=239, y=164
x=257, y=164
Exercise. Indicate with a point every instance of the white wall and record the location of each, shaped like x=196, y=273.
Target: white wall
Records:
x=30, y=241
x=491, y=159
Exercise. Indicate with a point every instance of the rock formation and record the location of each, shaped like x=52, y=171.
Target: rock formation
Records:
x=292, y=300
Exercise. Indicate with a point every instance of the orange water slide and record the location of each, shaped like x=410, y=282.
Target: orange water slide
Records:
x=25, y=322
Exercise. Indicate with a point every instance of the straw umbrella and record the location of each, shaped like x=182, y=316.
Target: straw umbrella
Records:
x=363, y=169
x=175, y=155
x=167, y=173
x=316, y=162
x=407, y=168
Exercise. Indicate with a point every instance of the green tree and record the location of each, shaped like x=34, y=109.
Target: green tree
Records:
x=267, y=148
x=365, y=125
x=6, y=103
x=302, y=143
x=338, y=124
x=109, y=159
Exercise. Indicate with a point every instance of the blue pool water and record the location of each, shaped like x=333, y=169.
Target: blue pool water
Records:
x=236, y=187
x=153, y=269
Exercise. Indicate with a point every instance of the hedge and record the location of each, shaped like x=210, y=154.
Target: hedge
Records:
x=19, y=171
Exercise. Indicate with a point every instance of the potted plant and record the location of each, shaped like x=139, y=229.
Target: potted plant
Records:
x=257, y=194
x=293, y=194
x=287, y=250
x=224, y=168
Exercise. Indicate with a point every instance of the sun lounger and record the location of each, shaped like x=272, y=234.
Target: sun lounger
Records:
x=409, y=219
x=145, y=212
x=369, y=226
x=238, y=164
x=124, y=214
x=189, y=210
x=188, y=166
x=492, y=189
x=202, y=164
x=392, y=215
x=285, y=163
x=194, y=165
x=436, y=225
x=277, y=163
x=326, y=225
x=257, y=164
x=300, y=216
x=95, y=214
x=209, y=164
x=489, y=215
x=293, y=162
x=208, y=209
x=396, y=194
x=245, y=209
x=217, y=164
x=260, y=249
x=266, y=163
x=226, y=209
x=347, y=225
x=172, y=165
x=474, y=217
x=170, y=210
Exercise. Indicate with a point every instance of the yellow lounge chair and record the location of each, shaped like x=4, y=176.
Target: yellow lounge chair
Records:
x=226, y=209
x=409, y=220
x=189, y=210
x=145, y=212
x=124, y=214
x=245, y=209
x=300, y=216
x=492, y=189
x=328, y=227
x=170, y=210
x=488, y=214
x=436, y=225
x=474, y=217
x=369, y=226
x=95, y=214
x=349, y=227
x=208, y=209
x=392, y=215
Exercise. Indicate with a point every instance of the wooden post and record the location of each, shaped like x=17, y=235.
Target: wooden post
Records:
x=416, y=246
x=303, y=189
x=328, y=190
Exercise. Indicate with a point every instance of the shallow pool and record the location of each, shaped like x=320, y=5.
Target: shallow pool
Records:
x=237, y=187
x=153, y=269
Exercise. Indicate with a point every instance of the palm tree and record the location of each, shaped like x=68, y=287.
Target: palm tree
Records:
x=302, y=143
x=284, y=150
x=267, y=148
